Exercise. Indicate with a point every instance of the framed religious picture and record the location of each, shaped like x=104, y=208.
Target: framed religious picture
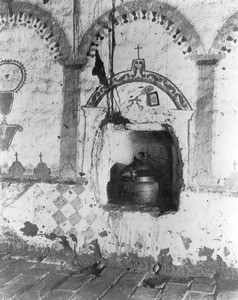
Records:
x=153, y=99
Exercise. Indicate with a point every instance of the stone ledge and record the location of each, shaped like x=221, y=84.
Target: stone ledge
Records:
x=154, y=211
x=32, y=179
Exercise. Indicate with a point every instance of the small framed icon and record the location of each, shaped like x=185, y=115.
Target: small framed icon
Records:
x=153, y=99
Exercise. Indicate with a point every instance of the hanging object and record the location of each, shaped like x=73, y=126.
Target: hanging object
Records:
x=113, y=116
x=99, y=70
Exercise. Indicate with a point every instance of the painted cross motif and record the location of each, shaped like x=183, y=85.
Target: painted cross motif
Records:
x=138, y=50
x=16, y=154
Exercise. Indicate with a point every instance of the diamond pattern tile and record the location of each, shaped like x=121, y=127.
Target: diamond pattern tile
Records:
x=58, y=231
x=72, y=230
x=75, y=219
x=79, y=189
x=60, y=202
x=68, y=210
x=62, y=188
x=77, y=203
x=70, y=195
x=59, y=217
x=65, y=226
x=70, y=215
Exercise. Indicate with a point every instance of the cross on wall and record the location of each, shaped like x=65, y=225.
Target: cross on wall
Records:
x=16, y=154
x=138, y=50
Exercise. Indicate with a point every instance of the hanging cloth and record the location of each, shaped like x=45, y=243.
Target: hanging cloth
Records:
x=99, y=70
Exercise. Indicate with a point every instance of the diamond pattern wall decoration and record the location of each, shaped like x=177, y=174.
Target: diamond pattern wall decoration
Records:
x=72, y=215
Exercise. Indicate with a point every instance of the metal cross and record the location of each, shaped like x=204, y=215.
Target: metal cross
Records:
x=16, y=154
x=40, y=157
x=234, y=164
x=138, y=50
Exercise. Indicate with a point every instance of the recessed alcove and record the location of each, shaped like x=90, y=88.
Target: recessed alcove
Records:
x=118, y=151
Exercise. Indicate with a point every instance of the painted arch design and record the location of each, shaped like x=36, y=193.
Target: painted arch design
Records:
x=227, y=36
x=175, y=23
x=34, y=17
x=138, y=73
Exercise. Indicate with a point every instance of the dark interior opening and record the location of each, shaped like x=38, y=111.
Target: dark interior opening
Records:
x=155, y=161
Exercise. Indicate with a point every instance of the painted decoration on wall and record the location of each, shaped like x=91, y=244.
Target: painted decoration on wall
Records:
x=138, y=73
x=12, y=78
x=6, y=101
x=45, y=29
x=7, y=132
x=162, y=14
x=16, y=169
x=42, y=171
x=152, y=99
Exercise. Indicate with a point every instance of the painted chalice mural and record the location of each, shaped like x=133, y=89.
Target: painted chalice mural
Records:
x=12, y=78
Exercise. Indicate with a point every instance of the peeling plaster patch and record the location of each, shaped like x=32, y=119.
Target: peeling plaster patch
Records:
x=73, y=237
x=165, y=260
x=96, y=250
x=186, y=242
x=51, y=236
x=139, y=245
x=63, y=240
x=205, y=251
x=103, y=233
x=226, y=251
x=29, y=229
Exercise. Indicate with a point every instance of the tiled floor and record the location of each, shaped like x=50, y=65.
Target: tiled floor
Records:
x=29, y=278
